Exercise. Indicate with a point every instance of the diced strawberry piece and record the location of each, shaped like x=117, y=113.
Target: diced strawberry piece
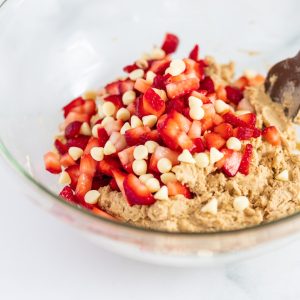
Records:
x=99, y=181
x=93, y=142
x=175, y=104
x=152, y=135
x=125, y=85
x=256, y=132
x=225, y=130
x=221, y=93
x=170, y=43
x=169, y=131
x=153, y=104
x=134, y=136
x=202, y=95
x=234, y=120
x=126, y=158
x=194, y=53
x=232, y=162
x=136, y=192
x=244, y=133
x=131, y=108
x=76, y=116
x=214, y=140
x=74, y=173
x=198, y=146
x=209, y=110
x=101, y=213
x=130, y=68
x=84, y=185
x=256, y=80
x=116, y=100
x=142, y=85
x=108, y=164
x=181, y=88
x=118, y=140
x=160, y=81
x=88, y=107
x=119, y=178
x=73, y=129
x=183, y=123
x=113, y=185
x=271, y=135
x=207, y=84
x=113, y=88
x=234, y=94
x=68, y=195
x=66, y=160
x=246, y=160
x=207, y=123
x=241, y=83
x=161, y=122
x=249, y=119
x=217, y=119
x=61, y=147
x=102, y=137
x=139, y=110
x=87, y=165
x=159, y=66
x=113, y=126
x=52, y=163
x=162, y=152
x=195, y=130
x=69, y=107
x=79, y=141
x=184, y=141
x=192, y=69
x=176, y=188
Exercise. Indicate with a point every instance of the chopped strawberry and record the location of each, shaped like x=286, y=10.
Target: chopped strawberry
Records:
x=159, y=66
x=183, y=123
x=162, y=152
x=225, y=130
x=113, y=126
x=79, y=141
x=170, y=43
x=234, y=94
x=68, y=195
x=214, y=140
x=176, y=188
x=93, y=142
x=118, y=140
x=246, y=160
x=73, y=129
x=207, y=84
x=175, y=104
x=125, y=85
x=221, y=93
x=241, y=83
x=74, y=173
x=101, y=213
x=256, y=132
x=126, y=158
x=244, y=133
x=240, y=121
x=113, y=88
x=119, y=178
x=152, y=135
x=202, y=95
x=113, y=185
x=76, y=116
x=207, y=123
x=108, y=164
x=153, y=104
x=161, y=122
x=87, y=165
x=181, y=88
x=88, y=107
x=130, y=68
x=84, y=185
x=209, y=110
x=193, y=69
x=69, y=107
x=61, y=147
x=102, y=137
x=195, y=130
x=136, y=192
x=232, y=161
x=99, y=181
x=169, y=131
x=249, y=119
x=217, y=119
x=52, y=163
x=134, y=136
x=194, y=53
x=184, y=141
x=116, y=100
x=271, y=135
x=142, y=85
x=198, y=146
x=66, y=160
x=160, y=81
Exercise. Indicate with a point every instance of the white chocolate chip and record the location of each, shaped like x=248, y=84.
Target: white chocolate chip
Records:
x=95, y=130
x=283, y=175
x=85, y=129
x=123, y=114
x=138, y=73
x=177, y=66
x=197, y=113
x=153, y=185
x=108, y=108
x=140, y=152
x=149, y=120
x=64, y=178
x=125, y=127
x=92, y=197
x=194, y=102
x=150, y=76
x=157, y=53
x=128, y=97
x=211, y=207
x=202, y=160
x=186, y=157
x=164, y=165
x=143, y=178
x=109, y=148
x=151, y=146
x=221, y=106
x=139, y=167
x=161, y=93
x=167, y=177
x=97, y=153
x=162, y=194
x=135, y=122
x=234, y=144
x=215, y=155
x=142, y=63
x=107, y=120
x=240, y=203
x=75, y=152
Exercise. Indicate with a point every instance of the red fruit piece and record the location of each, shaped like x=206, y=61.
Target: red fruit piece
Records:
x=207, y=123
x=74, y=103
x=100, y=181
x=134, y=136
x=249, y=119
x=162, y=152
x=238, y=121
x=159, y=66
x=130, y=68
x=225, y=130
x=79, y=141
x=68, y=195
x=170, y=43
x=256, y=132
x=73, y=129
x=116, y=100
x=141, y=85
x=214, y=140
x=61, y=147
x=183, y=123
x=207, y=84
x=136, y=192
x=102, y=136
x=176, y=188
x=113, y=88
x=87, y=165
x=153, y=104
x=76, y=116
x=181, y=88
x=74, y=173
x=125, y=85
x=246, y=160
x=52, y=163
x=118, y=140
x=232, y=162
x=217, y=119
x=175, y=104
x=150, y=136
x=195, y=130
x=126, y=158
x=198, y=146
x=93, y=142
x=113, y=185
x=84, y=185
x=119, y=178
x=271, y=135
x=194, y=53
x=113, y=126
x=88, y=107
x=244, y=133
x=234, y=94
x=66, y=160
x=108, y=164
x=159, y=81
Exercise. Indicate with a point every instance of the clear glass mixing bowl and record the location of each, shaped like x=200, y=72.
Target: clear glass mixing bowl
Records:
x=53, y=50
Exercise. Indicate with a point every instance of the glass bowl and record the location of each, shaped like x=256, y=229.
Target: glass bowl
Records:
x=51, y=51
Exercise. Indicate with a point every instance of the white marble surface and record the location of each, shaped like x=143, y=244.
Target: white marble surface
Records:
x=41, y=258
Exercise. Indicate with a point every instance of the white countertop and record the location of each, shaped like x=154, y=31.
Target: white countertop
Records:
x=42, y=258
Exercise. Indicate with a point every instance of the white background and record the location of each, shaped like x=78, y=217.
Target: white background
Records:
x=41, y=258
